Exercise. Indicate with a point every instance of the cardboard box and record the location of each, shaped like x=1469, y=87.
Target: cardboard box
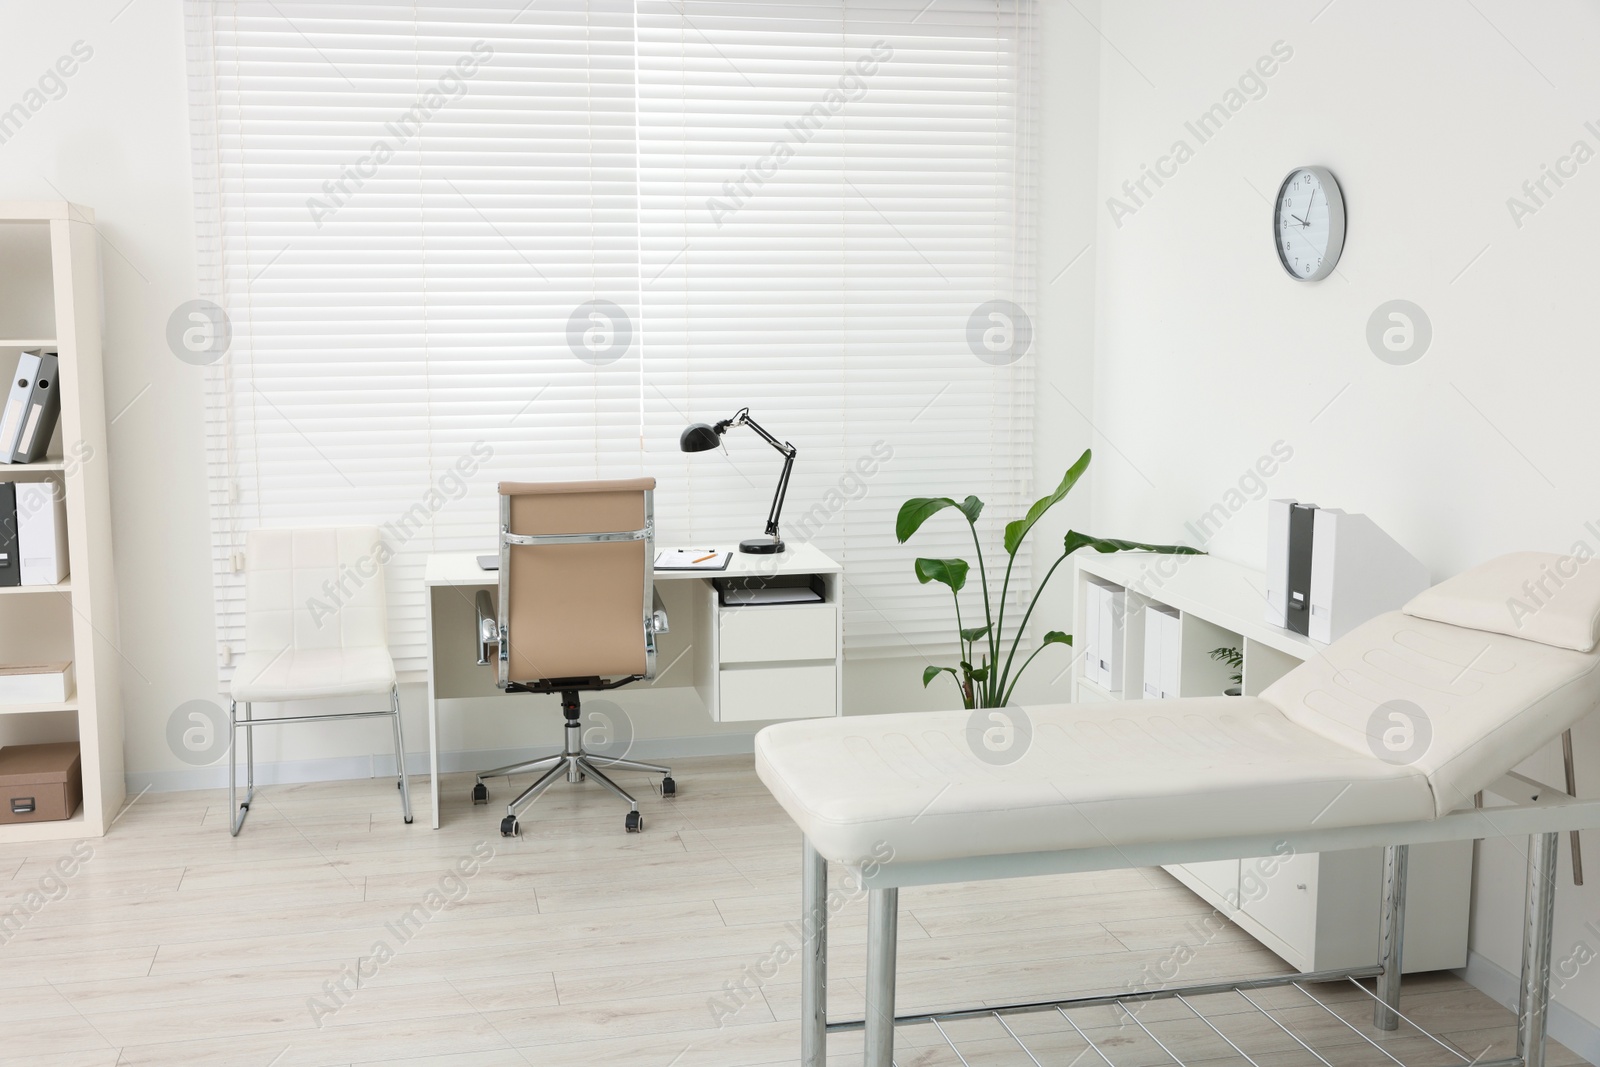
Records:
x=41, y=683
x=40, y=783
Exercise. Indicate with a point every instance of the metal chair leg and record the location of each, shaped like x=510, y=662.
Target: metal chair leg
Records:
x=629, y=765
x=237, y=813
x=883, y=921
x=400, y=754
x=520, y=768
x=530, y=794
x=594, y=772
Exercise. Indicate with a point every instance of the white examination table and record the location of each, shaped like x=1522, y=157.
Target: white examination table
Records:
x=912, y=799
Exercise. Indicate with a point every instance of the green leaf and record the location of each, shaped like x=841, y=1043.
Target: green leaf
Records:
x=1016, y=531
x=981, y=674
x=930, y=673
x=1056, y=637
x=974, y=633
x=918, y=510
x=952, y=572
x=1075, y=540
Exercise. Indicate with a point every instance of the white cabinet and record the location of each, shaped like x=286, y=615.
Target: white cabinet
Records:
x=1318, y=911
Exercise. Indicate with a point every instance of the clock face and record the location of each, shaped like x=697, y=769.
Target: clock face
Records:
x=1308, y=223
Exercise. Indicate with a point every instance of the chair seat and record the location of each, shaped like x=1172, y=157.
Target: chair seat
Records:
x=311, y=673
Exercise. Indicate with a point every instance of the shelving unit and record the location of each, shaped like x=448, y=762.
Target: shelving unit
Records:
x=50, y=298
x=1317, y=911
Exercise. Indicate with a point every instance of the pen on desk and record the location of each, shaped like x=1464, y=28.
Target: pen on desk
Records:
x=702, y=559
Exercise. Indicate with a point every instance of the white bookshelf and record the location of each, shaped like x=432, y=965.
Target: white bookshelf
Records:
x=50, y=298
x=1317, y=911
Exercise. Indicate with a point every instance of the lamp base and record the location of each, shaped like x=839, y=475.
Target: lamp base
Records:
x=762, y=546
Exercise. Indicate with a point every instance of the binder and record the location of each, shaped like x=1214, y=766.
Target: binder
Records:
x=1163, y=652
x=44, y=407
x=1278, y=561
x=17, y=404
x=1103, y=615
x=10, y=565
x=1357, y=572
x=1302, y=527
x=41, y=533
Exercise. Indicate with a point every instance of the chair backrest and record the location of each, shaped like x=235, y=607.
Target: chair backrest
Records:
x=577, y=608
x=314, y=589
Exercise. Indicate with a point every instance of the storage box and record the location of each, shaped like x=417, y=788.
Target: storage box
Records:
x=40, y=783
x=38, y=683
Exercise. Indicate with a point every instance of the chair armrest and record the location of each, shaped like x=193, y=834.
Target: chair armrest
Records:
x=658, y=617
x=488, y=626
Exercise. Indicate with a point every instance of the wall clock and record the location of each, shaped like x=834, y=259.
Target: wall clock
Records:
x=1308, y=223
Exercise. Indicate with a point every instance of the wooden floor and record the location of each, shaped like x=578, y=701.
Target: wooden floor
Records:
x=329, y=932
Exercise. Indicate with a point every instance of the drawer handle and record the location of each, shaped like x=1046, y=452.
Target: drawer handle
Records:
x=22, y=806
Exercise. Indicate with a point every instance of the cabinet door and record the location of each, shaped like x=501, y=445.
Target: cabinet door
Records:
x=1217, y=882
x=1281, y=895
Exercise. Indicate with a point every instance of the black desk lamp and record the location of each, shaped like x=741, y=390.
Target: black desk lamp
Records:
x=703, y=438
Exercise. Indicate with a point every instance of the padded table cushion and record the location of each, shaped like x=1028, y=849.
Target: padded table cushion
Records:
x=1093, y=774
x=1141, y=771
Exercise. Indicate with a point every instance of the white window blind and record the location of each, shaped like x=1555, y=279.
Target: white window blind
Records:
x=457, y=244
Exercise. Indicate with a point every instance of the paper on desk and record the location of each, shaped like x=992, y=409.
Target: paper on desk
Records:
x=692, y=559
x=771, y=595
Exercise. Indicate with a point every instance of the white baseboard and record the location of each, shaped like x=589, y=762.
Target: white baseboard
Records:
x=1566, y=1026
x=342, y=768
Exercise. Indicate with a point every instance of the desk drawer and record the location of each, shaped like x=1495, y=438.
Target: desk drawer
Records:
x=753, y=693
x=779, y=633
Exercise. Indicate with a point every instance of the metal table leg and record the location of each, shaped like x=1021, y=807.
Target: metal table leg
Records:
x=1386, y=1013
x=813, y=958
x=1538, y=918
x=883, y=921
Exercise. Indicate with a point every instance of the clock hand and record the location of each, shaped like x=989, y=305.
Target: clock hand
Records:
x=1298, y=219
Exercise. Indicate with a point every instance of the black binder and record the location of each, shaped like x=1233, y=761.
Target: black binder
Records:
x=1302, y=521
x=10, y=557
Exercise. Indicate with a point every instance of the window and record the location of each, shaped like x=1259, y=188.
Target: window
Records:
x=534, y=241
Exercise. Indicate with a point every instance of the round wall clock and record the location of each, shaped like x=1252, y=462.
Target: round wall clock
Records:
x=1308, y=223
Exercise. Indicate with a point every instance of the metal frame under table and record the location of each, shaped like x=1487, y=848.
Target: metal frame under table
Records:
x=1528, y=808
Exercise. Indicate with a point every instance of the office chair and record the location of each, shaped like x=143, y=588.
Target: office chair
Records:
x=315, y=626
x=578, y=613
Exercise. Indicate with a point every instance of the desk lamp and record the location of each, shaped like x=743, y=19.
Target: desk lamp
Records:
x=702, y=438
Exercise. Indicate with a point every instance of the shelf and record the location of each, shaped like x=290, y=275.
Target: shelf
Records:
x=55, y=830
x=53, y=463
x=27, y=344
x=64, y=586
x=38, y=709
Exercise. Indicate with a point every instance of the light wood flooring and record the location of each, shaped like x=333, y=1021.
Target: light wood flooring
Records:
x=174, y=944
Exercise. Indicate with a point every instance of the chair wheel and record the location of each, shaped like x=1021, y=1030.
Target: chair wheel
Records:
x=635, y=822
x=408, y=820
x=509, y=827
x=480, y=794
x=669, y=788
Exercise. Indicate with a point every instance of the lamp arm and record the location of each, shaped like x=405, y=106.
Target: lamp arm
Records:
x=743, y=419
x=782, y=491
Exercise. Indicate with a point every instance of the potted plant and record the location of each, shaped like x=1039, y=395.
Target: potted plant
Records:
x=1234, y=659
x=985, y=680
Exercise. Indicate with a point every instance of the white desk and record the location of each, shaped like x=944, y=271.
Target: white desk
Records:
x=748, y=664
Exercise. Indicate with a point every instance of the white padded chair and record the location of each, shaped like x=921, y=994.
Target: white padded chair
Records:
x=315, y=627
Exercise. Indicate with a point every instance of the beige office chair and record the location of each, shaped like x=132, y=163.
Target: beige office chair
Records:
x=577, y=613
x=316, y=626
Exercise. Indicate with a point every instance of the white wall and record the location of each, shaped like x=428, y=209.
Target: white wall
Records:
x=1431, y=114
x=117, y=140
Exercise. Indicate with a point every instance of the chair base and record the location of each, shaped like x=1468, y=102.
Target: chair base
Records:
x=575, y=765
x=239, y=811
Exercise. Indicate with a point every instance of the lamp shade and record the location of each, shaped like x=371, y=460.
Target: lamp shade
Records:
x=699, y=438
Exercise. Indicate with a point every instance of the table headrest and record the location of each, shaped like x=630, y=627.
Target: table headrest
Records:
x=1537, y=596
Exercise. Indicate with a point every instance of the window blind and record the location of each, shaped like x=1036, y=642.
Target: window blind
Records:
x=456, y=244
